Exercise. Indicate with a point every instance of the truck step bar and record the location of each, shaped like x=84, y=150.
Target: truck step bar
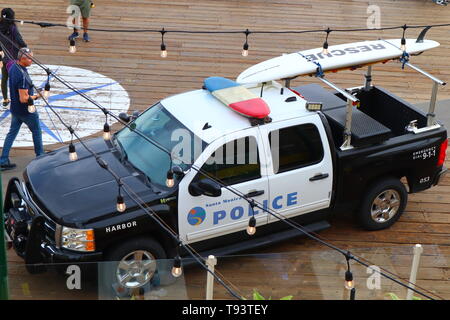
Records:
x=259, y=242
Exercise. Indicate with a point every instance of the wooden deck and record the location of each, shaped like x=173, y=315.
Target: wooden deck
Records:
x=133, y=60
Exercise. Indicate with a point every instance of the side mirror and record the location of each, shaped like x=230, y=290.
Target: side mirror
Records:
x=205, y=187
x=124, y=117
x=135, y=115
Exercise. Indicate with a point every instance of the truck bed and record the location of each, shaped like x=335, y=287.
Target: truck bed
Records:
x=381, y=115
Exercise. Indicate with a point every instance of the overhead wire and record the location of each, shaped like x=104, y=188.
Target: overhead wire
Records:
x=247, y=32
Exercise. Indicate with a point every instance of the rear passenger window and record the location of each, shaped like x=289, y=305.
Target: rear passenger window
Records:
x=295, y=147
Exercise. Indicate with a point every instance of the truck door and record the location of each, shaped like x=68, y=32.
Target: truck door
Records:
x=300, y=169
x=238, y=161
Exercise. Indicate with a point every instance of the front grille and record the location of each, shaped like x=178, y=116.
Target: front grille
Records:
x=49, y=225
x=50, y=230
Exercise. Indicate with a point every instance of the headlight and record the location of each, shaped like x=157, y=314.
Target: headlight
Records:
x=78, y=239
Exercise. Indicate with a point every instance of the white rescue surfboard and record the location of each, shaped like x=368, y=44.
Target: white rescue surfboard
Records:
x=349, y=55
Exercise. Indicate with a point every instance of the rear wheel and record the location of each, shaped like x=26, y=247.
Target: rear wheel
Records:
x=383, y=204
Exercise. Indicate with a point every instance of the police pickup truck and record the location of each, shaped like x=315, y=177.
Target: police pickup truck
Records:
x=305, y=162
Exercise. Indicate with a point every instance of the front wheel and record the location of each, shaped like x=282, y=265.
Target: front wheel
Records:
x=383, y=204
x=133, y=264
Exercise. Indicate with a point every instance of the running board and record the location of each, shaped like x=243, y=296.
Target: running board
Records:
x=258, y=242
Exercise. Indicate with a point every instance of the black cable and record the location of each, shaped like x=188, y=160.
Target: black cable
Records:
x=236, y=192
x=120, y=183
x=49, y=24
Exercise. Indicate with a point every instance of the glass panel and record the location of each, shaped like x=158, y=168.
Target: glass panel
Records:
x=304, y=275
x=234, y=162
x=298, y=146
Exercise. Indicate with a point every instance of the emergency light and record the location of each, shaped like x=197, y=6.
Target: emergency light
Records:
x=314, y=106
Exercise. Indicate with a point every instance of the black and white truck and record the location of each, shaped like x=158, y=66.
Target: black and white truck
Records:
x=348, y=152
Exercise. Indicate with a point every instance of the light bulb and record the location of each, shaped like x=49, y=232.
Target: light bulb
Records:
x=31, y=108
x=163, y=51
x=72, y=47
x=169, y=181
x=349, y=284
x=72, y=153
x=245, y=50
x=46, y=93
x=176, y=270
x=106, y=132
x=251, y=229
x=22, y=22
x=325, y=48
x=121, y=207
x=403, y=44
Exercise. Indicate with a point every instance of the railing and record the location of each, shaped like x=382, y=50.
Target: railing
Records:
x=304, y=275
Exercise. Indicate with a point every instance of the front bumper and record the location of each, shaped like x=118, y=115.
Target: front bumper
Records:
x=34, y=235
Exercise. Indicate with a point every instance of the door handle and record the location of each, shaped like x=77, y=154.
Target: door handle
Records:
x=319, y=176
x=254, y=193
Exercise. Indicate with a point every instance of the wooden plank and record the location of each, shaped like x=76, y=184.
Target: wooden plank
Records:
x=133, y=60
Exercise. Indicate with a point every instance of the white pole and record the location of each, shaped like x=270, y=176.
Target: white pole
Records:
x=415, y=266
x=211, y=262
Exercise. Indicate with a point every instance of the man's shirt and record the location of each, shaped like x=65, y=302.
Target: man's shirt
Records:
x=19, y=79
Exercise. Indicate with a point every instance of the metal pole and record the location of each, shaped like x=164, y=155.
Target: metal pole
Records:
x=211, y=262
x=3, y=259
x=348, y=127
x=426, y=74
x=368, y=77
x=415, y=266
x=353, y=294
x=430, y=114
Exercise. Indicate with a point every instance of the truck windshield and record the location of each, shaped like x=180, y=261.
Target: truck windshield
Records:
x=167, y=132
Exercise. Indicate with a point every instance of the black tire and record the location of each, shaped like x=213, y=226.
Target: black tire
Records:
x=383, y=204
x=141, y=256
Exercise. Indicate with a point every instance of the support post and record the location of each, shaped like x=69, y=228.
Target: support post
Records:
x=348, y=127
x=3, y=258
x=414, y=268
x=351, y=101
x=211, y=262
x=368, y=77
x=353, y=294
x=436, y=82
x=430, y=114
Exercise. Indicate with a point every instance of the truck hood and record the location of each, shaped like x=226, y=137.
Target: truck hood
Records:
x=79, y=192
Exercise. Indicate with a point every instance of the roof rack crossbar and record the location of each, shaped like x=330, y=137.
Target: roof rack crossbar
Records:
x=436, y=82
x=351, y=101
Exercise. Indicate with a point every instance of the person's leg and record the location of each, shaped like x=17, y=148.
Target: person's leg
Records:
x=75, y=33
x=10, y=137
x=85, y=24
x=32, y=121
x=5, y=84
x=85, y=8
x=85, y=28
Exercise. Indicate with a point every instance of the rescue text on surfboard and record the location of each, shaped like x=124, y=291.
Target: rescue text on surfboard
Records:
x=344, y=51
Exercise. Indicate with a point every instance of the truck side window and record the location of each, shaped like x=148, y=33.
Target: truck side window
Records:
x=295, y=147
x=235, y=162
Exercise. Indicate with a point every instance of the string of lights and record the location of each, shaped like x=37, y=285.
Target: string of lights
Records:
x=176, y=271
x=253, y=203
x=247, y=32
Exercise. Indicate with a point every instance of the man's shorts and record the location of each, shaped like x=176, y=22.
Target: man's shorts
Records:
x=84, y=5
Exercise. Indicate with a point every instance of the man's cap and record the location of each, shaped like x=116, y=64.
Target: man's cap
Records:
x=22, y=52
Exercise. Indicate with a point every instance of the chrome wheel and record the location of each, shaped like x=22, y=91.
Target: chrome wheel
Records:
x=136, y=269
x=385, y=206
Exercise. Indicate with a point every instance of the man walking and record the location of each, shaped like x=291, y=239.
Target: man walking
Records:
x=22, y=94
x=85, y=9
